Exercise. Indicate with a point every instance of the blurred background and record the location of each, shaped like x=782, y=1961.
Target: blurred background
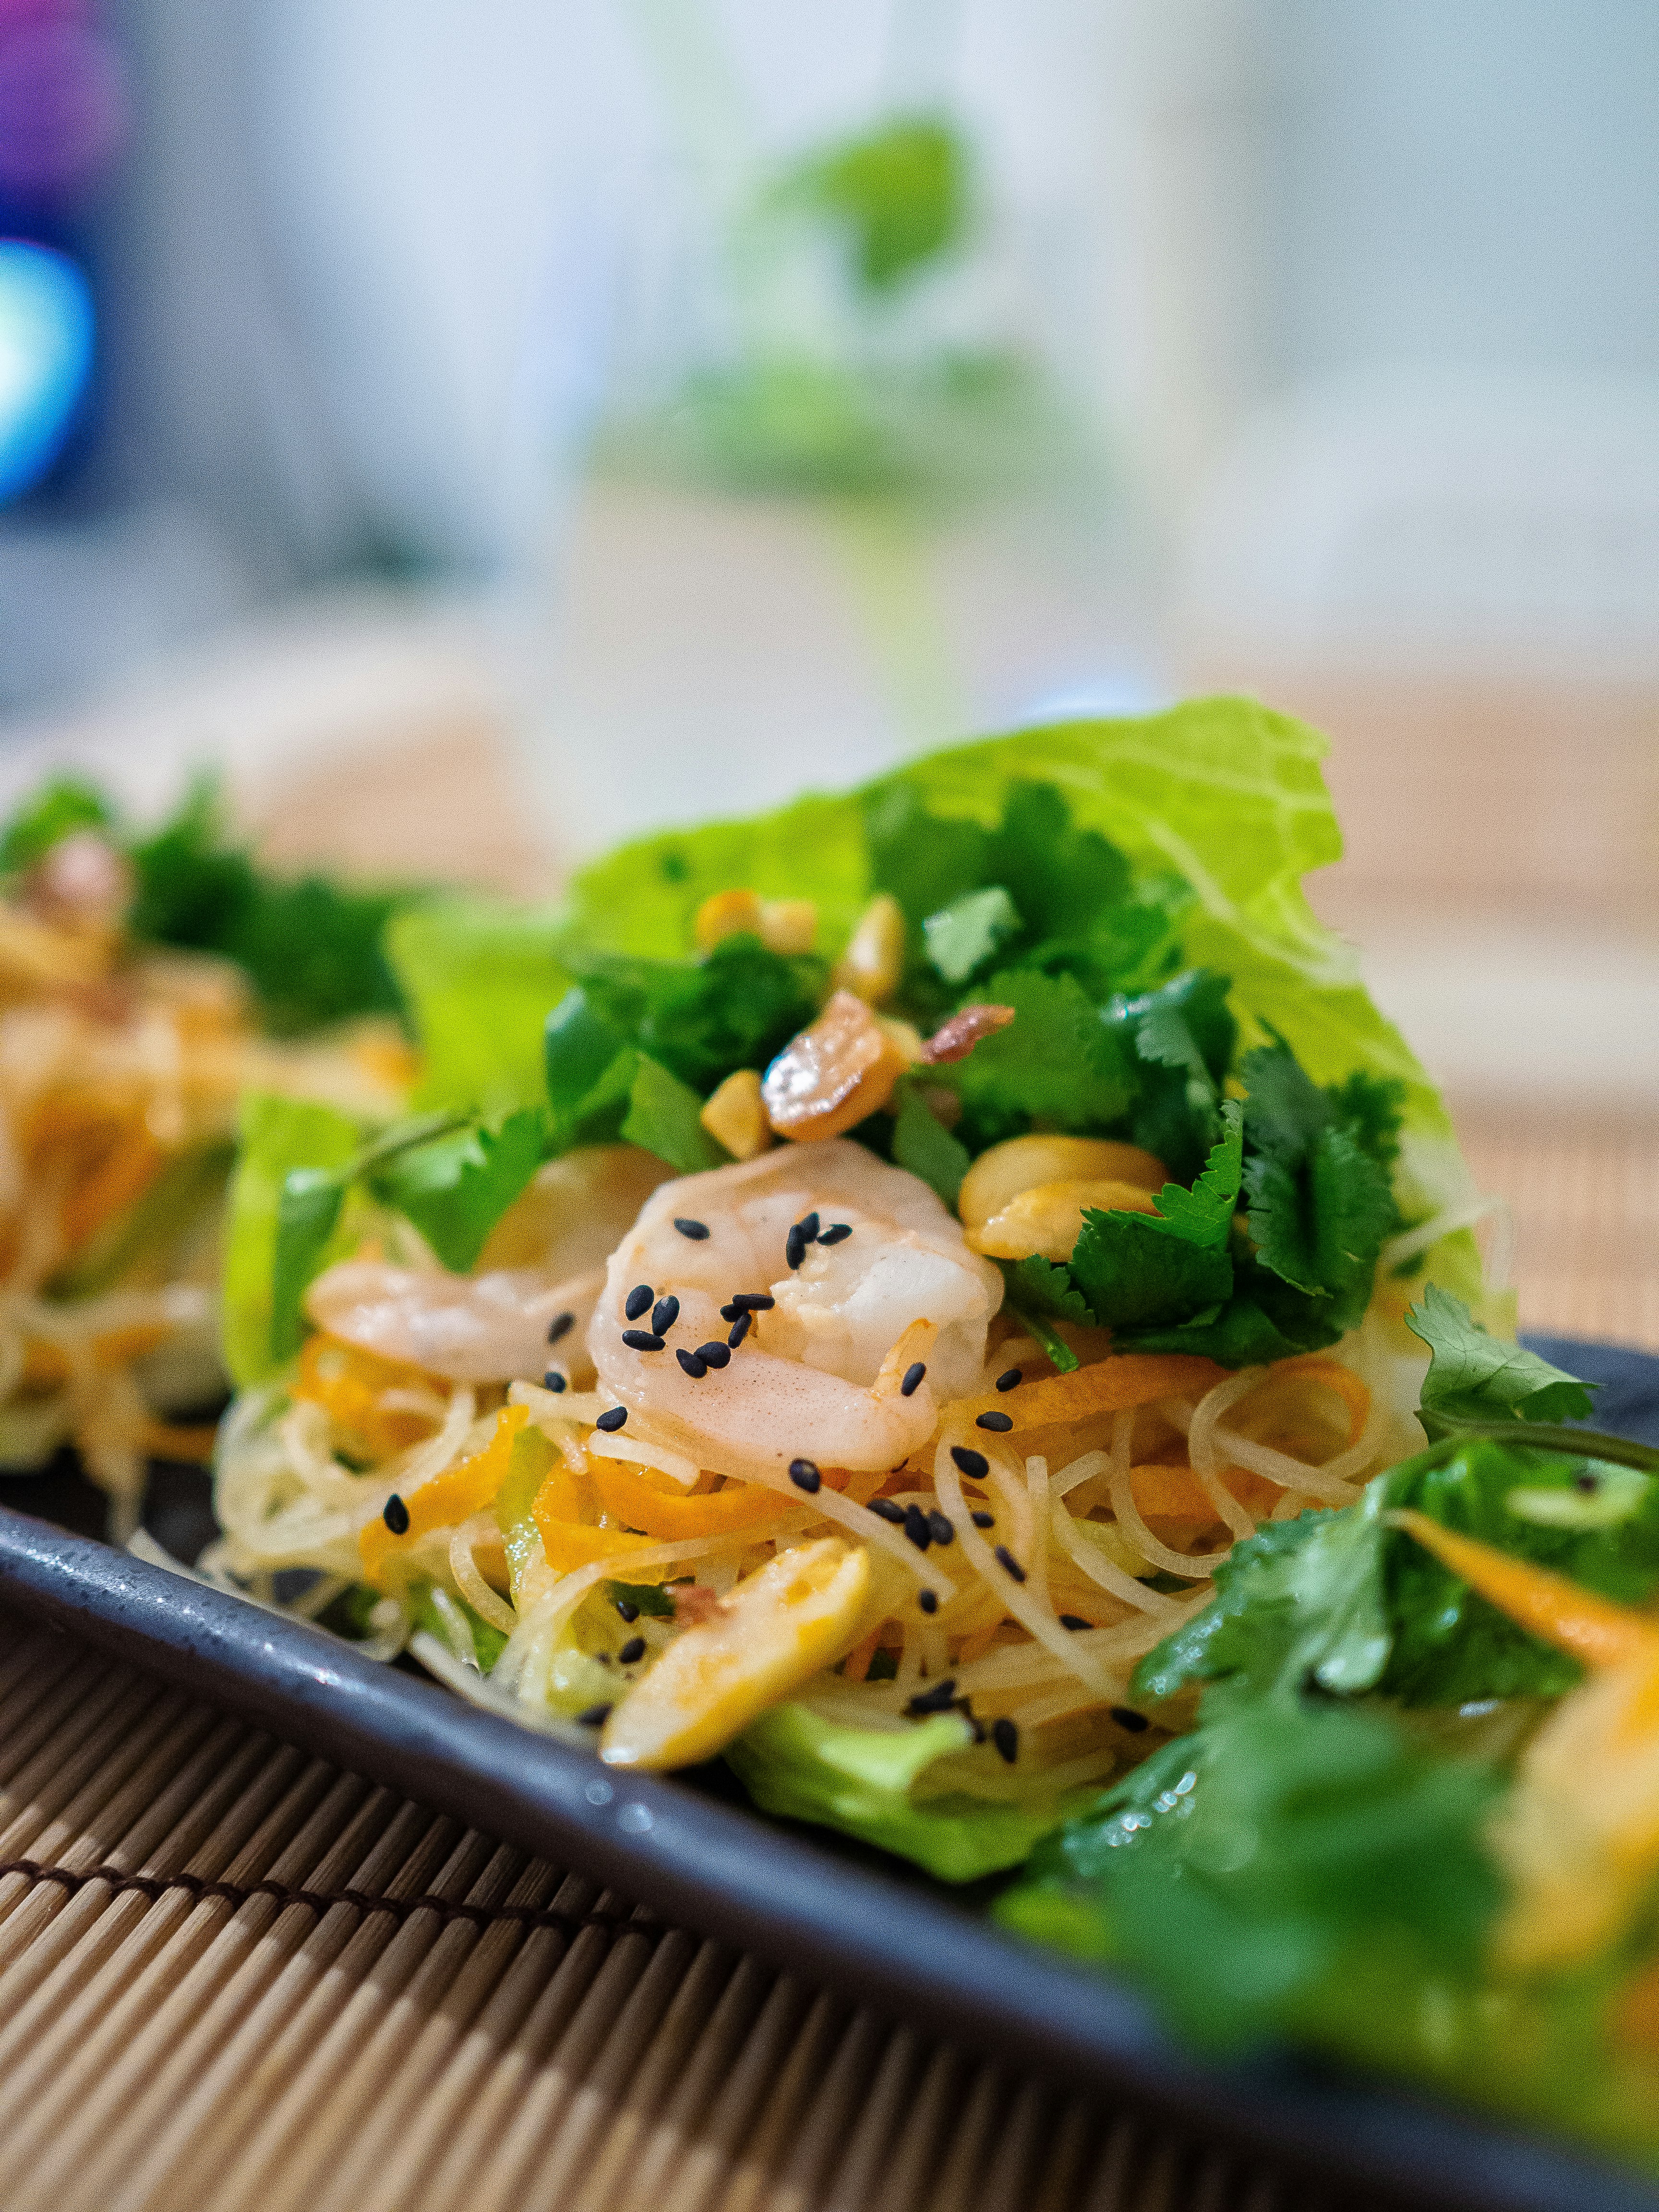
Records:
x=489, y=430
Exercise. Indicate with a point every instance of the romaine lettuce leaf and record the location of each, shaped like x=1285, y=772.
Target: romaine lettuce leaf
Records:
x=802, y=1767
x=479, y=981
x=278, y=1136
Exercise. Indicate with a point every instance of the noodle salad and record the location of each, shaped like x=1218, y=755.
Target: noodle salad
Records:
x=855, y=1278
x=133, y=1019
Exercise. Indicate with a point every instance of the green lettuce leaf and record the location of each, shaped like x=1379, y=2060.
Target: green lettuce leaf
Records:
x=863, y=1781
x=663, y=1117
x=479, y=982
x=279, y=1137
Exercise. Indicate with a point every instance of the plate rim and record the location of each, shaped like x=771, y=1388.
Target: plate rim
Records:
x=733, y=1876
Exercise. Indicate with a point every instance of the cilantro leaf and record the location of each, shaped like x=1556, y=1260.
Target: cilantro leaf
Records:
x=924, y=861
x=1136, y=1272
x=311, y=948
x=456, y=1190
x=1203, y=1214
x=1063, y=880
x=59, y=808
x=1289, y=1848
x=969, y=934
x=1039, y=1287
x=1298, y=1604
x=1054, y=1062
x=663, y=1117
x=737, y=1007
x=1182, y=1038
x=1476, y=1376
x=923, y=1145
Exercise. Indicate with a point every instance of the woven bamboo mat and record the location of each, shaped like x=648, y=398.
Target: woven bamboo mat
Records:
x=233, y=1977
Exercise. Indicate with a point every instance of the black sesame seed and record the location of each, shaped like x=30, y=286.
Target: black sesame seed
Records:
x=695, y=1367
x=943, y=1532
x=916, y=1528
x=794, y=1247
x=595, y=1717
x=731, y=1312
x=939, y=1697
x=696, y=1231
x=1000, y=1422
x=612, y=1419
x=753, y=1301
x=641, y=1339
x=973, y=1464
x=808, y=1226
x=664, y=1313
x=887, y=1509
x=983, y=1520
x=927, y=1599
x=1005, y=1733
x=560, y=1326
x=714, y=1353
x=1009, y=1379
x=1006, y=1560
x=1074, y=1621
x=835, y=1232
x=637, y=1300
x=739, y=1328
x=553, y=1380
x=632, y=1651
x=629, y=1610
x=803, y=1473
x=913, y=1374
x=395, y=1514
x=1586, y=1482
x=1127, y=1717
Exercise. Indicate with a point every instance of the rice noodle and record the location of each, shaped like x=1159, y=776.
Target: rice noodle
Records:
x=484, y=1602
x=1037, y=1619
x=1036, y=1522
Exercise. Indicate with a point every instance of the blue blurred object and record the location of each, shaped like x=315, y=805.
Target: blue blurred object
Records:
x=47, y=325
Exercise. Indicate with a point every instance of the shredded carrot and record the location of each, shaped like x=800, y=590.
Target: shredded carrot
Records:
x=570, y=1544
x=1113, y=1385
x=1592, y=1628
x=1337, y=1377
x=124, y=1173
x=168, y=1440
x=637, y=1504
x=857, y=1662
x=348, y=1385
x=452, y=1496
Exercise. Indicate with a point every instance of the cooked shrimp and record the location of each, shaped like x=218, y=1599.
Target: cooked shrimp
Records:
x=546, y=1258
x=472, y=1328
x=807, y=1380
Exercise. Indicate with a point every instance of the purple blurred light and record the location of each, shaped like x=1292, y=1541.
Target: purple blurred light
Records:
x=63, y=100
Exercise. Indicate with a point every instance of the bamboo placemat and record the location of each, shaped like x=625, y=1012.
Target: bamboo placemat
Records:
x=233, y=1977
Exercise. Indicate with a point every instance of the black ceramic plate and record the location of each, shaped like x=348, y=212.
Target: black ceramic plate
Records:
x=909, y=1947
